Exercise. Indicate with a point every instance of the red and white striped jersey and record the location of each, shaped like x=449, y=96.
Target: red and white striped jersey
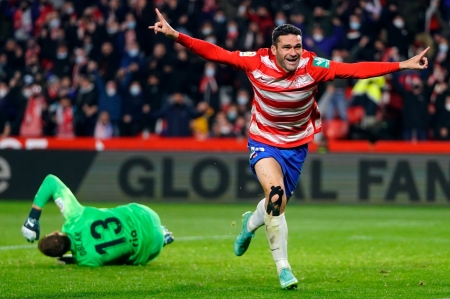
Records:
x=284, y=110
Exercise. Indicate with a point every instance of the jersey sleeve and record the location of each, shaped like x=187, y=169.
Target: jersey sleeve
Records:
x=53, y=188
x=363, y=70
x=321, y=69
x=245, y=61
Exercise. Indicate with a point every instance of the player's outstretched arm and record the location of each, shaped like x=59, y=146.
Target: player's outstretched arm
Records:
x=51, y=188
x=418, y=62
x=205, y=49
x=362, y=70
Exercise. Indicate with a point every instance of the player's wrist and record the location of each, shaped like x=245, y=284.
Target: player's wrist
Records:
x=35, y=213
x=174, y=35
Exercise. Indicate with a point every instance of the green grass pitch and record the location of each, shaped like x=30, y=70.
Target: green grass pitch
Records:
x=335, y=252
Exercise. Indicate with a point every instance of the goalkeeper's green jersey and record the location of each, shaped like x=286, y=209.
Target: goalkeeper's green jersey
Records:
x=128, y=234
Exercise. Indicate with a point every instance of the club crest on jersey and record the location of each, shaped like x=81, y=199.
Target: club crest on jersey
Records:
x=248, y=54
x=321, y=62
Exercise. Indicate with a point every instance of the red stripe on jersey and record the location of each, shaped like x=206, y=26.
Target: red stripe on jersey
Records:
x=280, y=118
x=283, y=104
x=282, y=131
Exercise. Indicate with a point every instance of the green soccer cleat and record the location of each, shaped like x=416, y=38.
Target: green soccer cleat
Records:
x=287, y=279
x=245, y=237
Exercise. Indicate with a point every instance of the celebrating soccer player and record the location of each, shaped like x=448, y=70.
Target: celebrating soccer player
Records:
x=284, y=119
x=128, y=234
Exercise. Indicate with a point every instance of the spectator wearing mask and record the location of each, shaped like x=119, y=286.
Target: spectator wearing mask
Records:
x=110, y=100
x=132, y=108
x=398, y=36
x=178, y=115
x=323, y=45
x=243, y=102
x=354, y=32
x=222, y=127
x=62, y=65
x=209, y=89
x=415, y=109
x=132, y=56
x=219, y=24
x=153, y=100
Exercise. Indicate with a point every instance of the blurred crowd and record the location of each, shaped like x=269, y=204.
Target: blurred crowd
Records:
x=93, y=68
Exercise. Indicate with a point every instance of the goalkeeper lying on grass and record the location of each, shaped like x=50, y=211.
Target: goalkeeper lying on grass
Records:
x=128, y=234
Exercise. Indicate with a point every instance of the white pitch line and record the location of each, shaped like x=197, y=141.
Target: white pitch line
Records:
x=177, y=239
x=15, y=247
x=198, y=238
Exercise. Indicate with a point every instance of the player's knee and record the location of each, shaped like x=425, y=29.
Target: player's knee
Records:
x=275, y=201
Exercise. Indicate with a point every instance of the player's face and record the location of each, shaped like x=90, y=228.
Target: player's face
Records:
x=288, y=51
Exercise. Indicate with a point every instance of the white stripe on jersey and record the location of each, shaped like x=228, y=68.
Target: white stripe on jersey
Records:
x=269, y=63
x=303, y=62
x=286, y=96
x=284, y=111
x=299, y=81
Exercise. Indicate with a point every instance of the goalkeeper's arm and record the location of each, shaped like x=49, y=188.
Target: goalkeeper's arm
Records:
x=51, y=188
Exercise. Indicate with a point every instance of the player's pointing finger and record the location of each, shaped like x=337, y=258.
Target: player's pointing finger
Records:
x=161, y=18
x=422, y=54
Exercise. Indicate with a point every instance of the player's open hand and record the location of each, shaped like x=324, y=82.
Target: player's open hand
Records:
x=163, y=27
x=418, y=62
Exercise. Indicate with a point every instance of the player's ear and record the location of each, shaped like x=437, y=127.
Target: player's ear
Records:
x=273, y=48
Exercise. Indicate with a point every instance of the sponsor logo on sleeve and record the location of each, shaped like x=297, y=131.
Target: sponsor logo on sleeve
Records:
x=60, y=204
x=321, y=62
x=248, y=54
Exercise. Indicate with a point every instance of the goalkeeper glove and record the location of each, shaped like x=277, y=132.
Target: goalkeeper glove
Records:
x=31, y=229
x=65, y=259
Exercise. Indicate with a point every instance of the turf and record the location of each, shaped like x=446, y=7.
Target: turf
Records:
x=335, y=252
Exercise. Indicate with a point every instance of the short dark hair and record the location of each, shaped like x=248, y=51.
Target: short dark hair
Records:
x=284, y=29
x=54, y=245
